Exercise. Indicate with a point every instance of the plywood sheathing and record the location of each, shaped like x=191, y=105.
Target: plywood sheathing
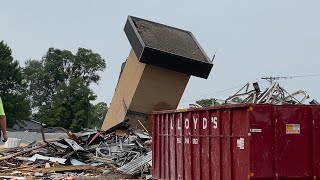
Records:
x=124, y=92
x=142, y=89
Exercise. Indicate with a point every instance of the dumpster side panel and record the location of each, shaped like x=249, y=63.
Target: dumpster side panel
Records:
x=294, y=141
x=179, y=146
x=225, y=144
x=240, y=155
x=215, y=144
x=187, y=146
x=204, y=144
x=162, y=145
x=316, y=140
x=195, y=149
x=173, y=161
x=262, y=141
x=155, y=146
x=201, y=145
x=237, y=143
x=166, y=145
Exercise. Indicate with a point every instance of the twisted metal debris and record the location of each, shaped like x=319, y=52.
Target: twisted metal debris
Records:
x=274, y=94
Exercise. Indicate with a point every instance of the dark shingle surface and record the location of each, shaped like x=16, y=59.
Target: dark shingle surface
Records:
x=168, y=39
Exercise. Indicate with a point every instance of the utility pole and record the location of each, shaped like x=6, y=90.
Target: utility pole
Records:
x=271, y=79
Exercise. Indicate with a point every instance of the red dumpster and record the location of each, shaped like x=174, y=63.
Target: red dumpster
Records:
x=237, y=142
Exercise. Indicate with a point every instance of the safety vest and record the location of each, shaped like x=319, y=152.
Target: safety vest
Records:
x=1, y=108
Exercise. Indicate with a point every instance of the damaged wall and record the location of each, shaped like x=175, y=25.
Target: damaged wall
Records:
x=156, y=72
x=142, y=89
x=124, y=91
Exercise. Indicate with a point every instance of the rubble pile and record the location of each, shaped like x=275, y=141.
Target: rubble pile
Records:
x=118, y=153
x=274, y=94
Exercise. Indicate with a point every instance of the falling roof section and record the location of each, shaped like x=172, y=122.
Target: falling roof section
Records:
x=168, y=39
x=167, y=47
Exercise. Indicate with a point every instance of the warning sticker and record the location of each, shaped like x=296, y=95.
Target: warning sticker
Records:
x=256, y=130
x=240, y=143
x=293, y=128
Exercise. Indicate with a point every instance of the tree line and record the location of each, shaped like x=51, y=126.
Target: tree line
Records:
x=54, y=90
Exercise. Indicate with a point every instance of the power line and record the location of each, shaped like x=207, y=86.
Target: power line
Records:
x=309, y=75
x=186, y=99
x=201, y=95
x=271, y=78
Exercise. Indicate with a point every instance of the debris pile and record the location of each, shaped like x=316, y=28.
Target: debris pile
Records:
x=120, y=152
x=274, y=94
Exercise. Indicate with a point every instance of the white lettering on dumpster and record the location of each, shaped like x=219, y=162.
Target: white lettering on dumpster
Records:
x=186, y=123
x=214, y=120
x=204, y=123
x=194, y=141
x=179, y=124
x=171, y=122
x=195, y=120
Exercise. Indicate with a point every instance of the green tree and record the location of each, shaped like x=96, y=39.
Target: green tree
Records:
x=59, y=87
x=12, y=88
x=99, y=112
x=208, y=102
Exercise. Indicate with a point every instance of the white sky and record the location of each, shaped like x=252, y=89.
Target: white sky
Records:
x=254, y=38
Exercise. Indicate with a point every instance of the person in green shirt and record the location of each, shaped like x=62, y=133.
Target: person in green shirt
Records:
x=3, y=122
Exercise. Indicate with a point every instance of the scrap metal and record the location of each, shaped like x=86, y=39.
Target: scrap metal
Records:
x=274, y=94
x=135, y=165
x=100, y=152
x=51, y=159
x=74, y=145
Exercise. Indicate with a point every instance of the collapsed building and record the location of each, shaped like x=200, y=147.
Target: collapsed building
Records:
x=156, y=72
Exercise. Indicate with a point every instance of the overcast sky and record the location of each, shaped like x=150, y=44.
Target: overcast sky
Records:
x=254, y=38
